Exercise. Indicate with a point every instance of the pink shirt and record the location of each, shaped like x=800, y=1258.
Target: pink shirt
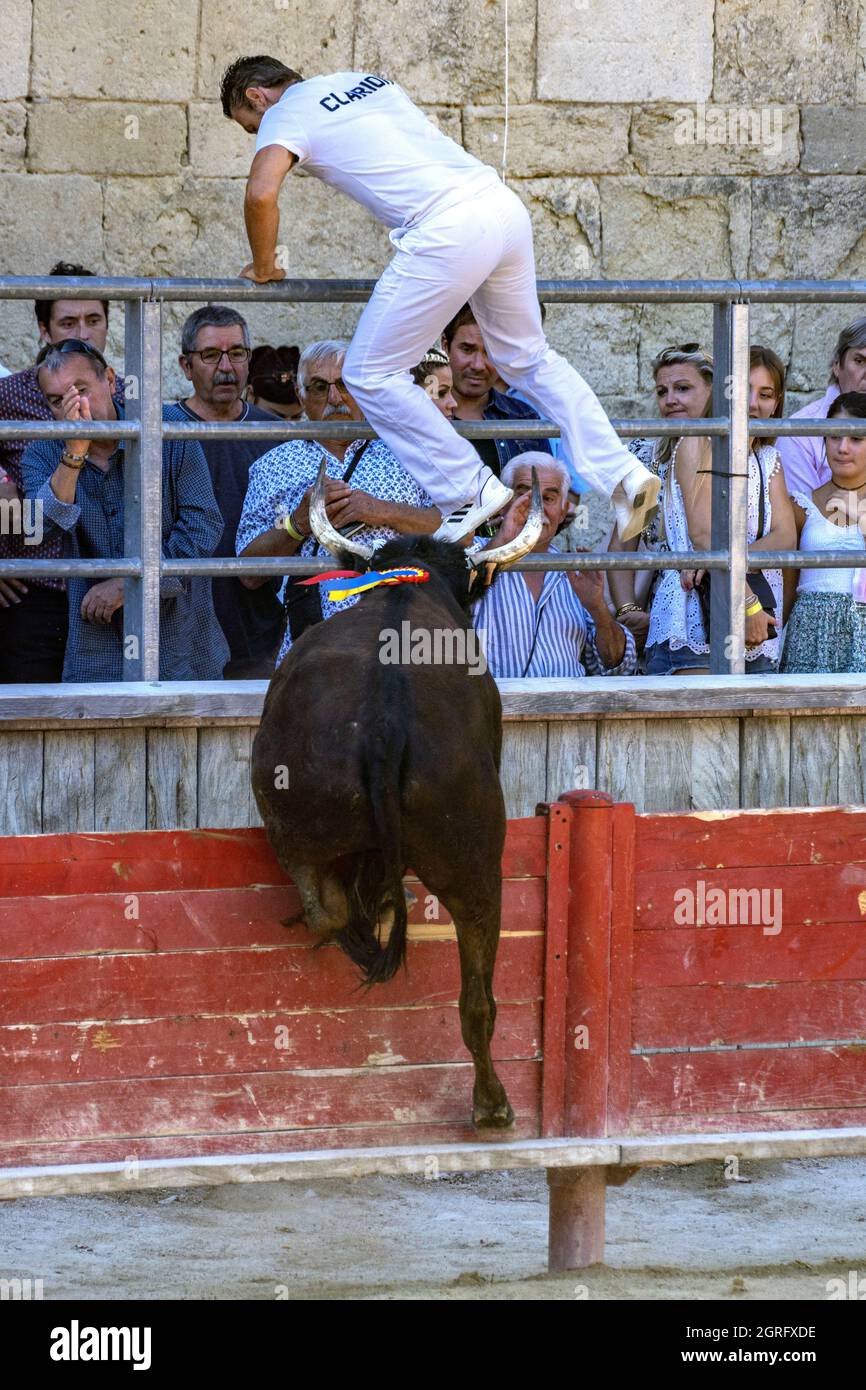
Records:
x=804, y=458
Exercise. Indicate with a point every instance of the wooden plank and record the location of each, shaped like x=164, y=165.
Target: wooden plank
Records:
x=120, y=775
x=162, y=860
x=153, y=983
x=171, y=779
x=201, y=701
x=727, y=1122
x=621, y=967
x=556, y=970
x=68, y=792
x=799, y=1011
x=696, y=1148
x=589, y=929
x=223, y=777
x=523, y=771
x=765, y=768
x=711, y=839
x=715, y=765
x=667, y=767
x=209, y=918
x=622, y=758
x=286, y=1100
x=696, y=1084
x=347, y=1036
x=210, y=1169
x=20, y=783
x=815, y=761
x=139, y=862
x=852, y=760
x=571, y=756
x=744, y=955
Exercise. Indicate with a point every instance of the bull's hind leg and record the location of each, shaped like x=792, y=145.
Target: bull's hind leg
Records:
x=476, y=919
x=324, y=905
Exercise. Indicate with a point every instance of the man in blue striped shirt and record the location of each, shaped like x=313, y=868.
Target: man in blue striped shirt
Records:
x=554, y=622
x=79, y=485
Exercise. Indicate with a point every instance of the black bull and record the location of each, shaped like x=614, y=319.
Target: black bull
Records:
x=363, y=768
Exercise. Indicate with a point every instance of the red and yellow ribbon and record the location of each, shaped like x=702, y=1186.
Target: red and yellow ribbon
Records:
x=361, y=583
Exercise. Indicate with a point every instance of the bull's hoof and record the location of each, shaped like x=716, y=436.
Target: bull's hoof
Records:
x=493, y=1117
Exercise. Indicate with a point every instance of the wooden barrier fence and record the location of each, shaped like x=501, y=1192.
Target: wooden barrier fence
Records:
x=160, y=1027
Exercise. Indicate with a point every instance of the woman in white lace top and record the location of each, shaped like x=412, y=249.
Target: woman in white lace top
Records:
x=677, y=640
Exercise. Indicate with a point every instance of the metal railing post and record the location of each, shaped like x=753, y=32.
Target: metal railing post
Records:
x=142, y=532
x=729, y=485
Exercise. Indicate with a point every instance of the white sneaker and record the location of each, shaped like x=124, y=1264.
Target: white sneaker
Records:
x=492, y=499
x=635, y=501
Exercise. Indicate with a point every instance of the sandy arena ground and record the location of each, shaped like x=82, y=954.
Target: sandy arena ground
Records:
x=781, y=1232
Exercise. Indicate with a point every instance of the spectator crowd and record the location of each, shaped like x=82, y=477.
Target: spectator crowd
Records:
x=224, y=496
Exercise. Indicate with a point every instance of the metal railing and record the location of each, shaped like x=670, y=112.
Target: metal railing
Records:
x=143, y=429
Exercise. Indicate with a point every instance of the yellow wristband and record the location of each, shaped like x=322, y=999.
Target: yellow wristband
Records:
x=290, y=527
x=753, y=608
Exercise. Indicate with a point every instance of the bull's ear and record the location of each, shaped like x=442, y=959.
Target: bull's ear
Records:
x=480, y=579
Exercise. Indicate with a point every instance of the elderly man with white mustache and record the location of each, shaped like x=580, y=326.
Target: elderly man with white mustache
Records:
x=369, y=493
x=554, y=622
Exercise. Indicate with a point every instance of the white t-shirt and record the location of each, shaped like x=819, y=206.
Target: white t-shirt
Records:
x=362, y=134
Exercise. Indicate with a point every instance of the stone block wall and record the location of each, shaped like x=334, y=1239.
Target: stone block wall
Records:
x=669, y=138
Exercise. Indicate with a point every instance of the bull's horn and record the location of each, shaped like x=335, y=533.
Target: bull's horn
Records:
x=522, y=543
x=326, y=534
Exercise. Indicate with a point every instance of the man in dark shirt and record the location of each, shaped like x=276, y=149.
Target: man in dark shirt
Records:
x=215, y=357
x=79, y=486
x=477, y=399
x=33, y=612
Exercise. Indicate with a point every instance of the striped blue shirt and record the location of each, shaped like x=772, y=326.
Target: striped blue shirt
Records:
x=191, y=641
x=565, y=646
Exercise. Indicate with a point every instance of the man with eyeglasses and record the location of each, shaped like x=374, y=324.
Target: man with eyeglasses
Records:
x=366, y=486
x=79, y=486
x=33, y=612
x=215, y=358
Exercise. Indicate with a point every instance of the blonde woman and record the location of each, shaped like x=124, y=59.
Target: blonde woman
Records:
x=683, y=379
x=677, y=641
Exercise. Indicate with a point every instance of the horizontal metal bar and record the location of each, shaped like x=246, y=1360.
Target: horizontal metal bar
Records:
x=549, y=560
x=351, y=291
x=469, y=429
x=69, y=429
x=70, y=569
x=75, y=287
x=280, y=432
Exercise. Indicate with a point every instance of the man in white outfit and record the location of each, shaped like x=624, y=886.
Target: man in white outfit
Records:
x=460, y=234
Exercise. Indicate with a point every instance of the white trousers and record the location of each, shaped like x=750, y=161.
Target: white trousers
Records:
x=479, y=250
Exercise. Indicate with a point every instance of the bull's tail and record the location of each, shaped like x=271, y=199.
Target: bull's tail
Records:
x=378, y=882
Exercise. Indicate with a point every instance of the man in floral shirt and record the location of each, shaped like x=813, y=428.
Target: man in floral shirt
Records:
x=381, y=497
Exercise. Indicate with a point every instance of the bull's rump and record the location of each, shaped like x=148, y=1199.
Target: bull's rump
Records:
x=334, y=709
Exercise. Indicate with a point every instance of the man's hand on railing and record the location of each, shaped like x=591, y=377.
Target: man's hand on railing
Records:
x=102, y=601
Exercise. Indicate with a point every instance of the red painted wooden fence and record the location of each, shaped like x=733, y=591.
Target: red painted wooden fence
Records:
x=152, y=1005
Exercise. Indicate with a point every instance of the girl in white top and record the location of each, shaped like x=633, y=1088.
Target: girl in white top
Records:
x=826, y=630
x=677, y=640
